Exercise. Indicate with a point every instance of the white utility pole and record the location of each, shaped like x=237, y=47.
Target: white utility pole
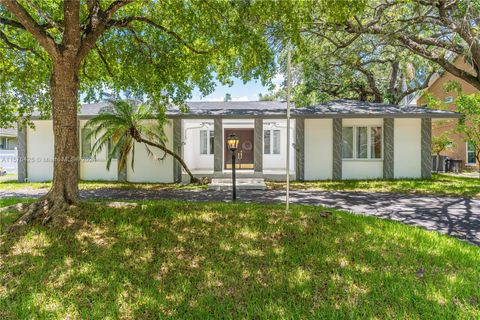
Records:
x=289, y=88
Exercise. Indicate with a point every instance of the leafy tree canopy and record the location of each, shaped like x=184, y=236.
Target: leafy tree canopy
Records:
x=469, y=107
x=338, y=66
x=368, y=55
x=435, y=30
x=155, y=51
x=469, y=124
x=371, y=54
x=120, y=124
x=441, y=142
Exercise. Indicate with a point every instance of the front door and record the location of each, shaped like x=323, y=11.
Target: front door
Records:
x=244, y=153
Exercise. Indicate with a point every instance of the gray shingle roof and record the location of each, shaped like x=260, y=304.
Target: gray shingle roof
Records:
x=347, y=108
x=237, y=105
x=92, y=109
x=334, y=109
x=276, y=109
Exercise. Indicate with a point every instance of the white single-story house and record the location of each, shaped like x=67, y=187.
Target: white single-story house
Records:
x=8, y=150
x=8, y=138
x=332, y=141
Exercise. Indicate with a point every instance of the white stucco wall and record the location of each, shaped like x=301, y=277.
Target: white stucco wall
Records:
x=362, y=169
x=96, y=169
x=191, y=147
x=205, y=162
x=278, y=162
x=148, y=169
x=407, y=148
x=318, y=149
x=318, y=152
x=40, y=151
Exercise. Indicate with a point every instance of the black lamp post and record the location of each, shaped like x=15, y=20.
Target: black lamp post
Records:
x=232, y=143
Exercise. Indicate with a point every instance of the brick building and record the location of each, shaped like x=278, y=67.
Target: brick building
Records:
x=462, y=150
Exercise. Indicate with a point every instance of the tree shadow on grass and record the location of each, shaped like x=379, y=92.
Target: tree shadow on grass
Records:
x=212, y=260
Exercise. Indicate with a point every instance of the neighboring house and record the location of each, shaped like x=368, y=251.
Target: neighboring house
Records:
x=337, y=140
x=8, y=139
x=8, y=149
x=462, y=150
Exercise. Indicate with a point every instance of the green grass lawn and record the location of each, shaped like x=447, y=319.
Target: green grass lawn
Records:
x=10, y=185
x=211, y=260
x=440, y=184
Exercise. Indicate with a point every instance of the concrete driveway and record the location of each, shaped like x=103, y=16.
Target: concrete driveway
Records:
x=457, y=217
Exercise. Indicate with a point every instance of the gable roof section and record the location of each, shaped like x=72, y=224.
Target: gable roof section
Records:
x=277, y=109
x=361, y=109
x=334, y=109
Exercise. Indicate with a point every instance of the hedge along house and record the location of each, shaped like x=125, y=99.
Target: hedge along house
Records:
x=332, y=141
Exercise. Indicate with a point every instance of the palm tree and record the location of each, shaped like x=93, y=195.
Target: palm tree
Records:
x=122, y=123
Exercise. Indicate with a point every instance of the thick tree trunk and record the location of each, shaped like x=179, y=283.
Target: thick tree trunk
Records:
x=64, y=191
x=65, y=86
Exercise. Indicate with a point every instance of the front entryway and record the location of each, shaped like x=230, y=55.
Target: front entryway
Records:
x=245, y=152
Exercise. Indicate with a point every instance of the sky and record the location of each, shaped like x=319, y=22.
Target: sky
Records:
x=239, y=91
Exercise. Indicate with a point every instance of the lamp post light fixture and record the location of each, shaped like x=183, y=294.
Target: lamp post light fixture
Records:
x=232, y=143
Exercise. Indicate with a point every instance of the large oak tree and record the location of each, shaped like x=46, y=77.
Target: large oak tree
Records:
x=373, y=49
x=54, y=51
x=437, y=30
x=336, y=65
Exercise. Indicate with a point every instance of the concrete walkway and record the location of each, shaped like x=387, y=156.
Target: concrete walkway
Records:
x=456, y=217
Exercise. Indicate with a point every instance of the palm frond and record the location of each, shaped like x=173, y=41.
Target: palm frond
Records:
x=114, y=127
x=126, y=147
x=117, y=146
x=133, y=156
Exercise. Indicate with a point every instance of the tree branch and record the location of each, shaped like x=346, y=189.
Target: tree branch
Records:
x=143, y=43
x=14, y=46
x=425, y=85
x=442, y=61
x=337, y=43
x=393, y=76
x=84, y=69
x=105, y=62
x=11, y=23
x=39, y=33
x=98, y=22
x=421, y=47
x=43, y=15
x=371, y=82
x=71, y=35
x=126, y=21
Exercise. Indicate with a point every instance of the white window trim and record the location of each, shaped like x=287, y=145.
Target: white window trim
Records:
x=466, y=156
x=5, y=146
x=369, y=143
x=271, y=153
x=92, y=157
x=210, y=134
